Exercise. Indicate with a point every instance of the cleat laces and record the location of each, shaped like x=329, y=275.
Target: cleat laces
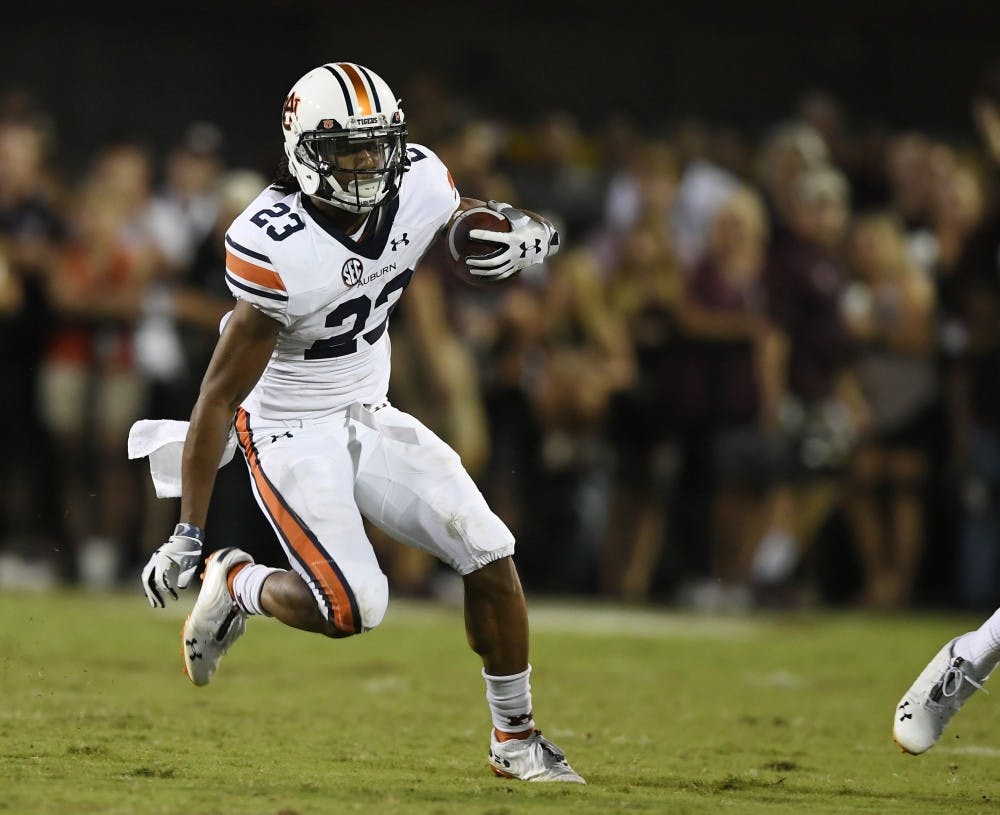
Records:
x=951, y=683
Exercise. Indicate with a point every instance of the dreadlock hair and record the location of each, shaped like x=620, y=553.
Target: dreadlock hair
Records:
x=284, y=181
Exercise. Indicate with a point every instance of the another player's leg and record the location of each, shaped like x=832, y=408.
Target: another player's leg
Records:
x=950, y=678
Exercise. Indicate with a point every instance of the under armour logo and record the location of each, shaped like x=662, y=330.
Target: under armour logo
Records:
x=498, y=760
x=524, y=718
x=281, y=436
x=537, y=248
x=402, y=241
x=905, y=715
x=192, y=654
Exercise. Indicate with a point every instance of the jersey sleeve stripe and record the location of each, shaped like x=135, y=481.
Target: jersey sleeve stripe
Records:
x=270, y=295
x=248, y=252
x=253, y=273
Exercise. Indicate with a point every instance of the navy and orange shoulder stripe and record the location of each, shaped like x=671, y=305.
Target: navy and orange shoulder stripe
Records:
x=253, y=272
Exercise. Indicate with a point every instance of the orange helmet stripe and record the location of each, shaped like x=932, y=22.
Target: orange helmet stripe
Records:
x=364, y=100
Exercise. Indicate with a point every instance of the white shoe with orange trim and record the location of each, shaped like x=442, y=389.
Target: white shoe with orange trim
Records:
x=936, y=695
x=215, y=622
x=532, y=759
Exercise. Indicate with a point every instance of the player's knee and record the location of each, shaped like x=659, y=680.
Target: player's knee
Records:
x=485, y=541
x=373, y=598
x=370, y=595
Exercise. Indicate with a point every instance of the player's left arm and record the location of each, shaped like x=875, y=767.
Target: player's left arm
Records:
x=532, y=239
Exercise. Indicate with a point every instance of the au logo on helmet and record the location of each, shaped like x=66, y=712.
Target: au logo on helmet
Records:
x=352, y=271
x=290, y=109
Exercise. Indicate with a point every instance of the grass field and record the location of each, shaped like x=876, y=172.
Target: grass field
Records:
x=661, y=713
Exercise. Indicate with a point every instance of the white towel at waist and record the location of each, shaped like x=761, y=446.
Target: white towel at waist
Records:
x=162, y=441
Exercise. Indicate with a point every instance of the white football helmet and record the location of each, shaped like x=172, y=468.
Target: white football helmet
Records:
x=345, y=136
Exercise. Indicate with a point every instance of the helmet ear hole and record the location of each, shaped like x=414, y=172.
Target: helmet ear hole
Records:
x=309, y=183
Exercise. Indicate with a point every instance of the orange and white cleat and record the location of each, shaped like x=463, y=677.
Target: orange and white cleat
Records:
x=215, y=622
x=532, y=759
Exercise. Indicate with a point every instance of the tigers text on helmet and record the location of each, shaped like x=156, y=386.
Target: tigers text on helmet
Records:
x=345, y=136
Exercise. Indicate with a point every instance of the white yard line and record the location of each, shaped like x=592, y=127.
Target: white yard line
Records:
x=971, y=750
x=598, y=620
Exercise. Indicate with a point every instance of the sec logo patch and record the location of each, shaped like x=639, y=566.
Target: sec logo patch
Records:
x=352, y=271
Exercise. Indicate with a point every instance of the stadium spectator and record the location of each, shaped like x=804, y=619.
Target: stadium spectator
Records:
x=703, y=186
x=977, y=398
x=177, y=219
x=584, y=358
x=824, y=411
x=890, y=315
x=194, y=297
x=31, y=229
x=957, y=206
x=506, y=337
x=737, y=364
x=644, y=293
x=558, y=173
x=91, y=388
x=620, y=145
x=790, y=150
x=182, y=212
x=820, y=110
x=910, y=163
x=473, y=151
x=644, y=190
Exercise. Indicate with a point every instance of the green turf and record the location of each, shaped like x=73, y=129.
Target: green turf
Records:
x=661, y=713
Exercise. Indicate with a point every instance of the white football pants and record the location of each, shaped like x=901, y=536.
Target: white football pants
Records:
x=315, y=479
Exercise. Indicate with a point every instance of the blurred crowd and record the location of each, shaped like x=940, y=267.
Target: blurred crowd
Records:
x=762, y=371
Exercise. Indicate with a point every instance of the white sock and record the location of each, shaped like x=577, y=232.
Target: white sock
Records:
x=776, y=557
x=247, y=586
x=982, y=646
x=509, y=698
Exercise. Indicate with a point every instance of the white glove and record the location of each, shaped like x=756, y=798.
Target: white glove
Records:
x=173, y=564
x=528, y=242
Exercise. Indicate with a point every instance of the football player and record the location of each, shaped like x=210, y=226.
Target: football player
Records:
x=317, y=263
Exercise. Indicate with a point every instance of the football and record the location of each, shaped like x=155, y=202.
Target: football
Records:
x=461, y=247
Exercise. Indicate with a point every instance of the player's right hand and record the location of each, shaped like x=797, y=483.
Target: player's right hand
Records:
x=529, y=241
x=172, y=565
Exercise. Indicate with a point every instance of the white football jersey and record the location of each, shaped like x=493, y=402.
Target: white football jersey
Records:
x=332, y=295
